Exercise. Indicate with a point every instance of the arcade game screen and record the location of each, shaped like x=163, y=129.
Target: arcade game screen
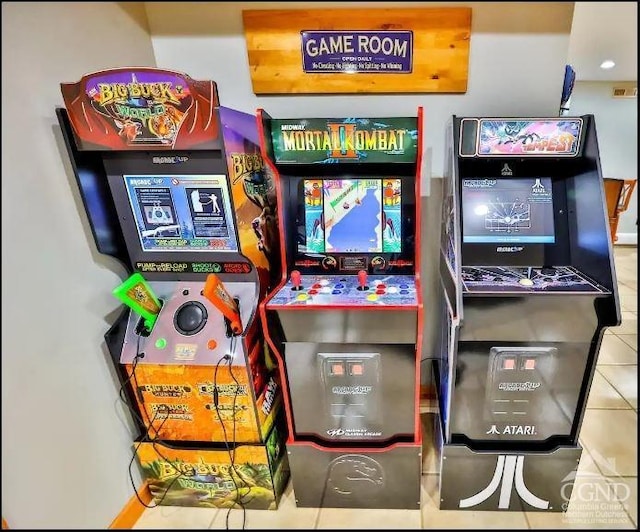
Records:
x=507, y=210
x=182, y=212
x=352, y=216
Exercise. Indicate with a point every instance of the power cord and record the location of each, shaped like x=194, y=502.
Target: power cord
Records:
x=147, y=437
x=153, y=440
x=135, y=452
x=238, y=500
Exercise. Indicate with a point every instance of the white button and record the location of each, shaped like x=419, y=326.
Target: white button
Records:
x=324, y=282
x=325, y=290
x=392, y=290
x=377, y=282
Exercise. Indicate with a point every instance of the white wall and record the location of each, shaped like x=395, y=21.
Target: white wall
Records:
x=517, y=61
x=65, y=449
x=617, y=128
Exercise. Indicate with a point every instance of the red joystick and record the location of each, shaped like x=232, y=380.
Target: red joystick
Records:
x=295, y=280
x=362, y=280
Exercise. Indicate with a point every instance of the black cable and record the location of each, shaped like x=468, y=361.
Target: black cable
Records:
x=147, y=437
x=135, y=452
x=231, y=454
x=238, y=501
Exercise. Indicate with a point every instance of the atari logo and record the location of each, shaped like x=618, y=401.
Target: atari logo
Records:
x=506, y=170
x=509, y=471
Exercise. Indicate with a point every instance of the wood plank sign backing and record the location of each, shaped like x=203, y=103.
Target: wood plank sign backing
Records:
x=341, y=51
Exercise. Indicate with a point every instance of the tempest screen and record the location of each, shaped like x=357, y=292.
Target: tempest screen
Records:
x=507, y=210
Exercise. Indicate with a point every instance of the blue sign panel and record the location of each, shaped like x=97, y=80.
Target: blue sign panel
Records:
x=352, y=52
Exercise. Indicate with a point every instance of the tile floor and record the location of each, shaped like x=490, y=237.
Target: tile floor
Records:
x=609, y=437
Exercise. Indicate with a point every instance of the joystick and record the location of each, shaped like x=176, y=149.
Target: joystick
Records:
x=296, y=280
x=527, y=281
x=362, y=280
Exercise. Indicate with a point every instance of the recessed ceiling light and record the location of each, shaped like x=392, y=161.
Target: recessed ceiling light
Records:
x=607, y=64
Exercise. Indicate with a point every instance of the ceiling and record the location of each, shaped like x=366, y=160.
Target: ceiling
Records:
x=601, y=31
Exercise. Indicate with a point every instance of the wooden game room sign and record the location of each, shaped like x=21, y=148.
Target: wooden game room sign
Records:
x=341, y=51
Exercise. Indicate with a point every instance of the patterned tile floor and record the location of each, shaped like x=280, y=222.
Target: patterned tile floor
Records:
x=609, y=437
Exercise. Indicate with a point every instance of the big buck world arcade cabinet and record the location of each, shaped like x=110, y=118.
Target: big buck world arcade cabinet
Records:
x=174, y=189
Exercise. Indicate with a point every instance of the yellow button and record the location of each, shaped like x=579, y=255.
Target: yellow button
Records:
x=302, y=297
x=372, y=297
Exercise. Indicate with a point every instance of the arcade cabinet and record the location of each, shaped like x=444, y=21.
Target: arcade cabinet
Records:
x=348, y=308
x=174, y=188
x=529, y=288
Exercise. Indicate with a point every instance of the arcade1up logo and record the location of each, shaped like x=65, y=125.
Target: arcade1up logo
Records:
x=345, y=140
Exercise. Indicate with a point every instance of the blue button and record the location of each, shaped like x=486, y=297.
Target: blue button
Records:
x=336, y=292
x=339, y=285
x=404, y=292
x=404, y=286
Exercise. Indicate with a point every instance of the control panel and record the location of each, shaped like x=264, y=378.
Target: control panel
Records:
x=189, y=328
x=483, y=279
x=346, y=290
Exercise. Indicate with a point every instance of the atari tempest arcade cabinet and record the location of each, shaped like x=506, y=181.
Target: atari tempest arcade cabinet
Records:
x=350, y=308
x=174, y=188
x=529, y=288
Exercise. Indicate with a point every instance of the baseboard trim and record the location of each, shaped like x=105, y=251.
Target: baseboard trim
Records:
x=627, y=239
x=133, y=509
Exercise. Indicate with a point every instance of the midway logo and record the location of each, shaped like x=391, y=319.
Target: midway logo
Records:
x=509, y=249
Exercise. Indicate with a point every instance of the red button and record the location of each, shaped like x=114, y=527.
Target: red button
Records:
x=381, y=286
x=530, y=363
x=313, y=292
x=380, y=292
x=508, y=363
x=317, y=285
x=356, y=369
x=337, y=369
x=212, y=344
